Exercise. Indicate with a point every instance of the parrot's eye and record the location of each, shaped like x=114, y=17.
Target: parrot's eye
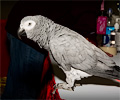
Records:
x=29, y=24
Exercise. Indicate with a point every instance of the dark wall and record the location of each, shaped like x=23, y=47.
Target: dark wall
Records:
x=6, y=6
x=81, y=17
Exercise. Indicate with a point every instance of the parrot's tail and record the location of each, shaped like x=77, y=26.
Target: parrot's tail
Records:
x=115, y=72
x=117, y=68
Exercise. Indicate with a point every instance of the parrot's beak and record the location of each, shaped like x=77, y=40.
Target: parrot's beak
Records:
x=21, y=32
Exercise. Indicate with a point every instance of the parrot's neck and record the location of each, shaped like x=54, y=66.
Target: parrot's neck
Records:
x=48, y=30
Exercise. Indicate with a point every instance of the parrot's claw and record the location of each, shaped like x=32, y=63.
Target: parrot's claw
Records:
x=62, y=86
x=55, y=87
x=54, y=91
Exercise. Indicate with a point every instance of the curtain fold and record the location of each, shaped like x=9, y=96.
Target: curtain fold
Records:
x=47, y=79
x=48, y=82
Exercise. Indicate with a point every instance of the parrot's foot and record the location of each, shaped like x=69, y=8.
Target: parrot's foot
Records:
x=64, y=86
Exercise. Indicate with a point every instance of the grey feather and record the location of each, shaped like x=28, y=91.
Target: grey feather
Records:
x=70, y=49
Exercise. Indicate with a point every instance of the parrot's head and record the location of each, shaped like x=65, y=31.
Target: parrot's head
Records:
x=35, y=28
x=27, y=27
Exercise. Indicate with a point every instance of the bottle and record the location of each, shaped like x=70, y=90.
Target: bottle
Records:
x=112, y=39
x=102, y=21
x=110, y=27
x=109, y=17
x=102, y=9
x=117, y=35
x=117, y=42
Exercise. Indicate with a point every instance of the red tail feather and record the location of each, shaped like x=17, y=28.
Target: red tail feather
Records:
x=118, y=81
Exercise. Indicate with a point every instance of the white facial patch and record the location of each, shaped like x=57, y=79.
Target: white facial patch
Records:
x=28, y=25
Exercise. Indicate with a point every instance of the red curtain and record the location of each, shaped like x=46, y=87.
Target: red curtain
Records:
x=46, y=91
x=4, y=55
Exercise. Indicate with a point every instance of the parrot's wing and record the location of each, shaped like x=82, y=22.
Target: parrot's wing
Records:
x=105, y=66
x=73, y=51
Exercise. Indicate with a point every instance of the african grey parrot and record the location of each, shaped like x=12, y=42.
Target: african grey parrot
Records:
x=75, y=55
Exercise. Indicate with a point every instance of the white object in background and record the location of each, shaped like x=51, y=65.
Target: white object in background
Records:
x=117, y=36
x=117, y=24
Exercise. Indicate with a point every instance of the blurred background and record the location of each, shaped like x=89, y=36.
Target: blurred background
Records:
x=84, y=22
